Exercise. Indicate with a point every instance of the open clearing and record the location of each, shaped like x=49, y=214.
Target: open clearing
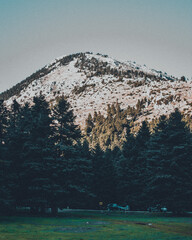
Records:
x=97, y=226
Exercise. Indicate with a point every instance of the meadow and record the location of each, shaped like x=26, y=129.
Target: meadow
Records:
x=97, y=226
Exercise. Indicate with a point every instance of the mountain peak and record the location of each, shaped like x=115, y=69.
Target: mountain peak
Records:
x=92, y=81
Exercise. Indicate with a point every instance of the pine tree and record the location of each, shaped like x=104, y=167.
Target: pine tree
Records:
x=14, y=143
x=39, y=158
x=156, y=154
x=73, y=165
x=89, y=125
x=125, y=168
x=79, y=175
x=170, y=165
x=143, y=135
x=137, y=169
x=5, y=193
x=103, y=181
x=108, y=131
x=95, y=116
x=3, y=121
x=109, y=178
x=109, y=114
x=66, y=131
x=113, y=109
x=129, y=143
x=118, y=110
x=97, y=181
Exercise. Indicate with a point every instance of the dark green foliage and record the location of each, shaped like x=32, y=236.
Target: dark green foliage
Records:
x=143, y=135
x=139, y=172
x=110, y=180
x=78, y=175
x=66, y=131
x=73, y=159
x=40, y=159
x=18, y=134
x=103, y=182
x=157, y=164
x=97, y=163
x=73, y=165
x=3, y=121
x=129, y=144
x=125, y=168
x=45, y=163
x=5, y=193
x=132, y=167
x=169, y=164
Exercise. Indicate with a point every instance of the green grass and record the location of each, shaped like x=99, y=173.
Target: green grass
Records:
x=97, y=226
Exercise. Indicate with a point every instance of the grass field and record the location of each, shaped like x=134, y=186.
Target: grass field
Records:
x=97, y=226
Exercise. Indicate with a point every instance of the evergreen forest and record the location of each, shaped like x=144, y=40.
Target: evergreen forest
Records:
x=47, y=161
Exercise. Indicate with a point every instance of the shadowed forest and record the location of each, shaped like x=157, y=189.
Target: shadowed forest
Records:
x=46, y=161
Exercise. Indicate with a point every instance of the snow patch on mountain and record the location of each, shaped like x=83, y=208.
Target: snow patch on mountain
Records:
x=92, y=81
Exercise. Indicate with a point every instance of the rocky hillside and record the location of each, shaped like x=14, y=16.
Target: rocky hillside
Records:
x=92, y=81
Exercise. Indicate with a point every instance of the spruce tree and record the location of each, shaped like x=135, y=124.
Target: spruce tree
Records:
x=15, y=144
x=180, y=150
x=109, y=113
x=3, y=121
x=126, y=168
x=39, y=160
x=73, y=164
x=5, y=192
x=79, y=175
x=89, y=125
x=157, y=160
x=66, y=131
x=109, y=178
x=97, y=181
x=103, y=181
x=137, y=168
x=170, y=165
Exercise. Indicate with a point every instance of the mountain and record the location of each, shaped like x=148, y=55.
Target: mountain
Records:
x=92, y=81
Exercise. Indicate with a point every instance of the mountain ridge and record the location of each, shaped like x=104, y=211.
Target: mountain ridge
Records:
x=92, y=81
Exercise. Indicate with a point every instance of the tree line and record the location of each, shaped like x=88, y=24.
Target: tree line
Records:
x=46, y=161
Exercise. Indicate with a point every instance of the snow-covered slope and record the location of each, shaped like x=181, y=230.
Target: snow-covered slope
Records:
x=91, y=81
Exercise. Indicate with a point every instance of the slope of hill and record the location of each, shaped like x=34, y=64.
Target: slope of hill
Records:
x=92, y=81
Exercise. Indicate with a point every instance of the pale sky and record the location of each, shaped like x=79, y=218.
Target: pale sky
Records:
x=157, y=33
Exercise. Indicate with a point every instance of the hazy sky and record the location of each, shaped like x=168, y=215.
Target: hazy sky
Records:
x=157, y=33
